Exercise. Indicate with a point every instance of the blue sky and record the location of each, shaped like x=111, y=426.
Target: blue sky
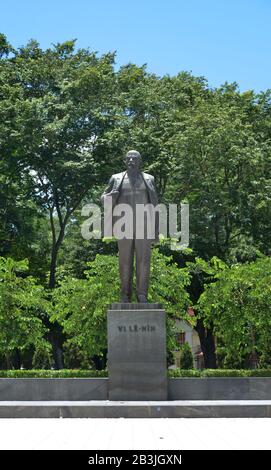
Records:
x=223, y=40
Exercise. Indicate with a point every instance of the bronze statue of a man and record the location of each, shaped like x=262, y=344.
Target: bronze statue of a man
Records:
x=137, y=190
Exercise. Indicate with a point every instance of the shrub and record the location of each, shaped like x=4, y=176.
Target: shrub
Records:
x=186, y=357
x=46, y=374
x=175, y=373
x=172, y=373
x=220, y=373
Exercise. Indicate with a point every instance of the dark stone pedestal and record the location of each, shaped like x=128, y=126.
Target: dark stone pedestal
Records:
x=137, y=365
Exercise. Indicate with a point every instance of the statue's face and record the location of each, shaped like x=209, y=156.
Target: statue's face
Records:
x=132, y=161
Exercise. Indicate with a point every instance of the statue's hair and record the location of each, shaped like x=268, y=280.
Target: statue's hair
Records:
x=133, y=152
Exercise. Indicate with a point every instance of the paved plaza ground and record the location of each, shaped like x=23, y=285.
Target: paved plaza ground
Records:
x=132, y=434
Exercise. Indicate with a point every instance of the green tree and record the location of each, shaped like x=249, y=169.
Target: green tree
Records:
x=22, y=309
x=238, y=307
x=223, y=170
x=62, y=104
x=202, y=274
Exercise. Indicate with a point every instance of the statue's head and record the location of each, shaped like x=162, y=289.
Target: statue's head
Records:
x=132, y=159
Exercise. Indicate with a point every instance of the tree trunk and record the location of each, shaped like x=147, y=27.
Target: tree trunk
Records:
x=17, y=359
x=207, y=342
x=8, y=361
x=56, y=244
x=52, y=278
x=56, y=339
x=56, y=334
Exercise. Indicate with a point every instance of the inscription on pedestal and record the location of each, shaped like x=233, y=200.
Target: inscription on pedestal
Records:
x=136, y=328
x=137, y=365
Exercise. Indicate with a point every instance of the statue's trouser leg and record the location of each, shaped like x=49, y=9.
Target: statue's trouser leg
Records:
x=143, y=259
x=126, y=257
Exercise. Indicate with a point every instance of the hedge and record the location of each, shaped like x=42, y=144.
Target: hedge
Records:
x=173, y=373
x=220, y=373
x=47, y=374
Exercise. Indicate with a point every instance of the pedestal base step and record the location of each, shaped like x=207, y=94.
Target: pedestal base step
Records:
x=137, y=409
